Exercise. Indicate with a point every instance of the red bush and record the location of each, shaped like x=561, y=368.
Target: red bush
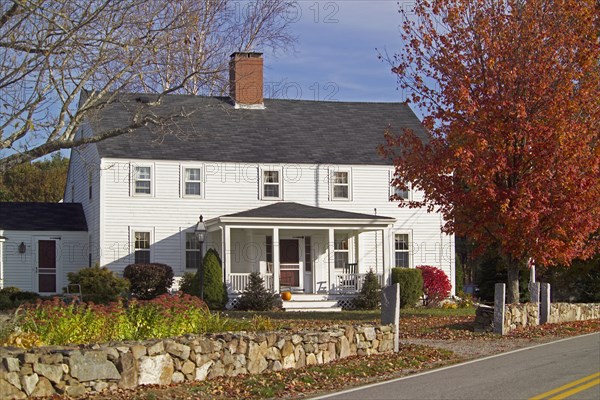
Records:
x=148, y=281
x=436, y=285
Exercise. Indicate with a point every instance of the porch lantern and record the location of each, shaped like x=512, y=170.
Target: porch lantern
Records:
x=22, y=248
x=200, y=233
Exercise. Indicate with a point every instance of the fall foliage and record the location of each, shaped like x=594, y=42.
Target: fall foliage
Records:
x=42, y=181
x=510, y=94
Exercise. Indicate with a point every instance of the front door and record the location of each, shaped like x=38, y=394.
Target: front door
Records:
x=46, y=270
x=290, y=267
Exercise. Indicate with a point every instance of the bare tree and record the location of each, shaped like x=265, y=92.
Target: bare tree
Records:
x=61, y=61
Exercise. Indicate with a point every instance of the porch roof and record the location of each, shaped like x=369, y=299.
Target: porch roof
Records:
x=295, y=213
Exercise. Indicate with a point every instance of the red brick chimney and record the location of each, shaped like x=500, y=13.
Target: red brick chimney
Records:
x=246, y=80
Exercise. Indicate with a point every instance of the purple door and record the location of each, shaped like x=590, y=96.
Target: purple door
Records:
x=46, y=266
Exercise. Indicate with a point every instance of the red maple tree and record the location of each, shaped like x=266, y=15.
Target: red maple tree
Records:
x=510, y=90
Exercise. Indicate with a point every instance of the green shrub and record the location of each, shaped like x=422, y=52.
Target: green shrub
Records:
x=190, y=284
x=579, y=282
x=411, y=285
x=5, y=302
x=10, y=291
x=369, y=297
x=99, y=285
x=215, y=292
x=148, y=281
x=459, y=277
x=18, y=298
x=6, y=297
x=256, y=297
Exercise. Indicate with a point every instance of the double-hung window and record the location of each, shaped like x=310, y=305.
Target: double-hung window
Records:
x=269, y=253
x=308, y=261
x=402, y=250
x=397, y=193
x=271, y=184
x=192, y=251
x=141, y=247
x=401, y=193
x=340, y=250
x=340, y=185
x=142, y=180
x=192, y=181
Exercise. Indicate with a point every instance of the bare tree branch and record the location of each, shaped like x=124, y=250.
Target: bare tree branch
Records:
x=63, y=60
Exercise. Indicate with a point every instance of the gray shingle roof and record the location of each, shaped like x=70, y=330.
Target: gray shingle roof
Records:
x=42, y=217
x=286, y=131
x=290, y=210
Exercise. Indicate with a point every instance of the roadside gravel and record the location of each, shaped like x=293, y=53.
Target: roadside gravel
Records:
x=477, y=348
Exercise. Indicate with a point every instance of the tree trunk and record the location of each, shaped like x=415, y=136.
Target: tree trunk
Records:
x=512, y=286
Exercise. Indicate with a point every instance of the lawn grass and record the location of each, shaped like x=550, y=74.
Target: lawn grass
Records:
x=352, y=316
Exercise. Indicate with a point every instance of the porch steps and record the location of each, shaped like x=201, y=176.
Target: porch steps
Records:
x=311, y=303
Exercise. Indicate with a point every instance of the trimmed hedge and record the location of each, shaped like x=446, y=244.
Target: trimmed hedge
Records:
x=149, y=280
x=13, y=297
x=411, y=285
x=215, y=292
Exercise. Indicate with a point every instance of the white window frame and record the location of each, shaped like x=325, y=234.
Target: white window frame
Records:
x=133, y=174
x=347, y=251
x=132, y=232
x=409, y=250
x=185, y=250
x=262, y=171
x=393, y=189
x=332, y=184
x=183, y=169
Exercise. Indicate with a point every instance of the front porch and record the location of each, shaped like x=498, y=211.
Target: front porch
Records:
x=347, y=283
x=303, y=249
x=340, y=297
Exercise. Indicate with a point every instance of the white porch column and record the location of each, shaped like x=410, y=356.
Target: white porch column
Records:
x=276, y=260
x=331, y=258
x=386, y=248
x=226, y=246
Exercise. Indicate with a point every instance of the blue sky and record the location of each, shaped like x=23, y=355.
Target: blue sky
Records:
x=336, y=52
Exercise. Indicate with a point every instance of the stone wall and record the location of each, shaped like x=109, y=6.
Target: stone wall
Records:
x=76, y=370
x=484, y=318
x=521, y=315
x=565, y=312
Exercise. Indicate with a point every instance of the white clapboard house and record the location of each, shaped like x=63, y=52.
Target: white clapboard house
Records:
x=293, y=189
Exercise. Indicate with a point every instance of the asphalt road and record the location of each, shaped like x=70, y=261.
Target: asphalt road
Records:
x=568, y=368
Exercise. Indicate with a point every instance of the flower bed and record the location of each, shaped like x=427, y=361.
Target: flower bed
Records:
x=52, y=322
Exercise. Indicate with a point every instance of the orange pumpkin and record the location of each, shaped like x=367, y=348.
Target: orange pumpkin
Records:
x=287, y=296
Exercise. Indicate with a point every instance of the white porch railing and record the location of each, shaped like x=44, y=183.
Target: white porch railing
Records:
x=343, y=283
x=351, y=283
x=237, y=282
